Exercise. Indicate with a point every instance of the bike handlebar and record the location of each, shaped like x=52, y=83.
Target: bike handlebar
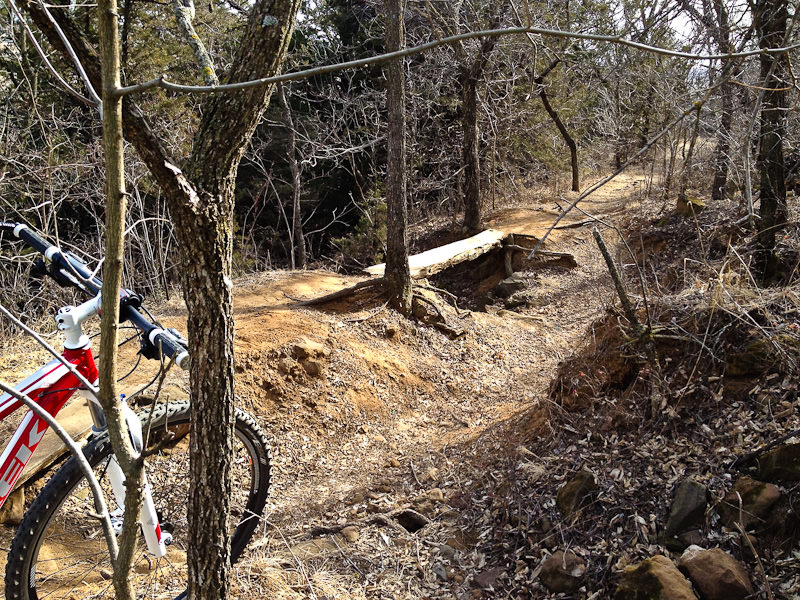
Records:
x=68, y=269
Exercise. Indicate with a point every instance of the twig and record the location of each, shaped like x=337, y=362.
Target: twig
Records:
x=630, y=314
x=750, y=456
x=759, y=564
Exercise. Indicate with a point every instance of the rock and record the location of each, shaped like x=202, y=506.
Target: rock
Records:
x=715, y=574
x=446, y=551
x=435, y=495
x=424, y=506
x=654, y=579
x=562, y=572
x=577, y=493
x=286, y=366
x=312, y=367
x=781, y=463
x=518, y=299
x=374, y=507
x=350, y=533
x=688, y=509
x=510, y=285
x=304, y=348
x=757, y=498
x=440, y=571
x=486, y=580
x=12, y=511
x=393, y=462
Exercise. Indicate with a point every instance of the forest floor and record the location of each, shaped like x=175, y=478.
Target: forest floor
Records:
x=411, y=464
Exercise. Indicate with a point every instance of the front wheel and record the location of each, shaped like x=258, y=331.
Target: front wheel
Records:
x=59, y=550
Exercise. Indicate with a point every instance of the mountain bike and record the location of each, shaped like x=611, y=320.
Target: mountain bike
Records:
x=59, y=550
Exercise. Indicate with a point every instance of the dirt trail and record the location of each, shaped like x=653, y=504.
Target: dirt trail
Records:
x=392, y=416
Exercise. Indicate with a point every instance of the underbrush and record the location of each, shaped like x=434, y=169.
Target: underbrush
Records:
x=714, y=378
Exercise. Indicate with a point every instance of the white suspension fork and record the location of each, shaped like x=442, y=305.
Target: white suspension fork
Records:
x=155, y=539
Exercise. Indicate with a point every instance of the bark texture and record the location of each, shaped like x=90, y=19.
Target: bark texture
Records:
x=108, y=31
x=397, y=274
x=723, y=35
x=470, y=77
x=770, y=21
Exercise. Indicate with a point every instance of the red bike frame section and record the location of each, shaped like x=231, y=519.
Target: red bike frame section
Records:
x=50, y=387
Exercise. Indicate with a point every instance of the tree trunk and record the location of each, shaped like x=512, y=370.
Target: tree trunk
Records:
x=470, y=153
x=297, y=237
x=726, y=106
x=397, y=273
x=113, y=150
x=568, y=140
x=770, y=20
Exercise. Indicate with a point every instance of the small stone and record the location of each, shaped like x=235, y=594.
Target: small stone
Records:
x=447, y=551
x=757, y=498
x=435, y=495
x=424, y=506
x=393, y=462
x=458, y=578
x=312, y=367
x=716, y=574
x=688, y=508
x=510, y=285
x=577, y=493
x=440, y=571
x=486, y=580
x=373, y=507
x=286, y=365
x=350, y=533
x=562, y=572
x=305, y=348
x=654, y=579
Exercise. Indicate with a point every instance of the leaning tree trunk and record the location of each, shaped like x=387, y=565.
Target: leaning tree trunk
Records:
x=397, y=273
x=562, y=129
x=770, y=20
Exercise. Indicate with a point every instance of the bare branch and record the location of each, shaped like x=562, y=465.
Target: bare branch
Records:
x=383, y=58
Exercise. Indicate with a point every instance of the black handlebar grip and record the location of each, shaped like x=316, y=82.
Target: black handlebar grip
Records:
x=170, y=347
x=162, y=340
